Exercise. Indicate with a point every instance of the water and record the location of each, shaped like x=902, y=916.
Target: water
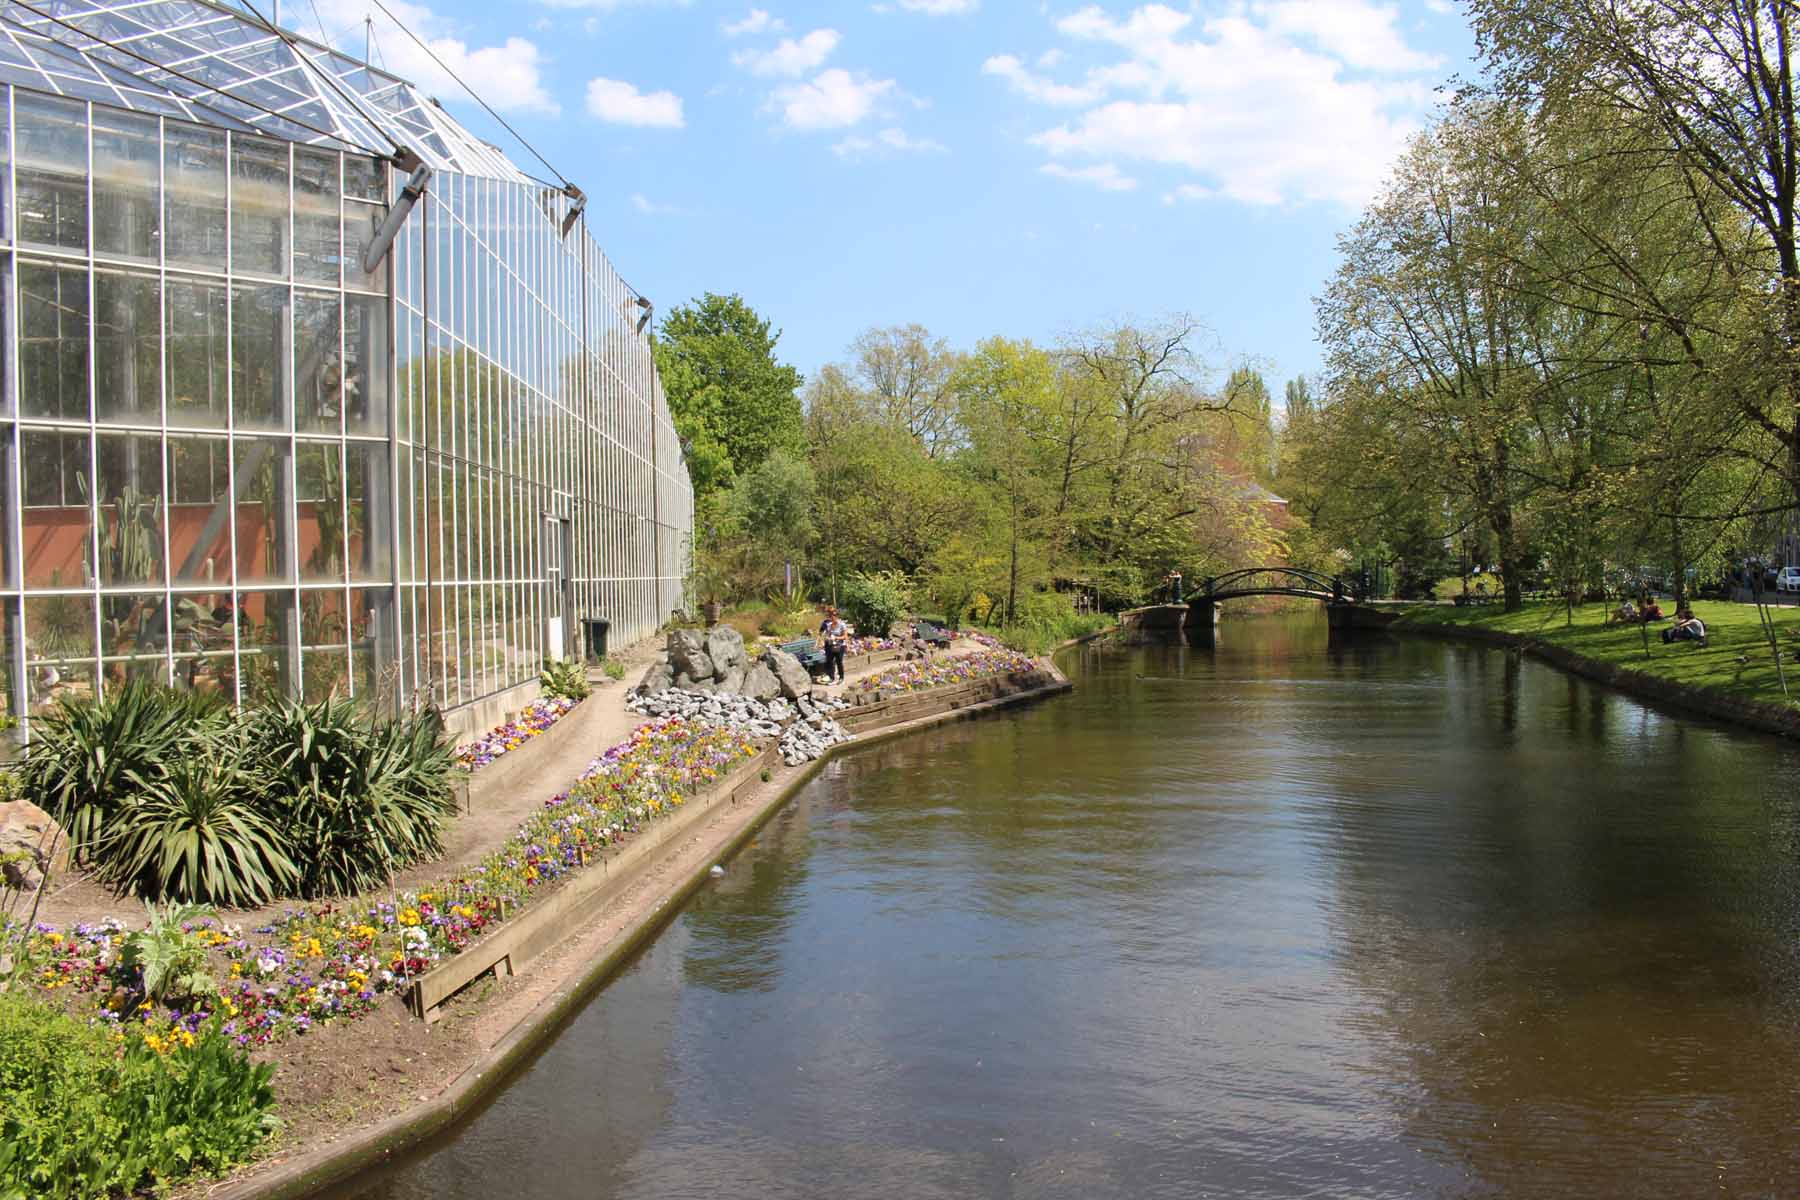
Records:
x=1402, y=919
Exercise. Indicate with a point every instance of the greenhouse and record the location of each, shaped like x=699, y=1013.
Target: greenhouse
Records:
x=306, y=388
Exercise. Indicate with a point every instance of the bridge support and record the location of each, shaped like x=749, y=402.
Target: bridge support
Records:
x=1202, y=615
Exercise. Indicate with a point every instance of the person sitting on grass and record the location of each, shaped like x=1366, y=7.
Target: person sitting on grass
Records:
x=1652, y=611
x=1627, y=613
x=1687, y=628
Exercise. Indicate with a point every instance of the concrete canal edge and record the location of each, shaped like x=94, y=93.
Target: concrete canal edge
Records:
x=311, y=1172
x=1752, y=714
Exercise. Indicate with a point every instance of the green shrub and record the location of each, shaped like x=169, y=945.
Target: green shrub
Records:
x=353, y=801
x=88, y=757
x=171, y=961
x=1479, y=584
x=615, y=670
x=873, y=602
x=565, y=678
x=201, y=833
x=81, y=1116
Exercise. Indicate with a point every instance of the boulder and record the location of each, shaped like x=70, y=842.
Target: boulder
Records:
x=761, y=682
x=26, y=836
x=725, y=646
x=732, y=679
x=900, y=630
x=795, y=682
x=658, y=677
x=687, y=654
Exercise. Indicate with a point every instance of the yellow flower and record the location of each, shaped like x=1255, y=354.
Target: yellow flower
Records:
x=409, y=916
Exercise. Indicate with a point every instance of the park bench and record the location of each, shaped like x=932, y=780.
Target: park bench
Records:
x=808, y=651
x=931, y=633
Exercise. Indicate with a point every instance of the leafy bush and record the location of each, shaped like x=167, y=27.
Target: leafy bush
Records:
x=170, y=959
x=615, y=670
x=872, y=602
x=1048, y=619
x=1479, y=584
x=81, y=1117
x=353, y=801
x=89, y=756
x=565, y=678
x=201, y=832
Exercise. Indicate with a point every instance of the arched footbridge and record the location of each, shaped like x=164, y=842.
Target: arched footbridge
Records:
x=1195, y=614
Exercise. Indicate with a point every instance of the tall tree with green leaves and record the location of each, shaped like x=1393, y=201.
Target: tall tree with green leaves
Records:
x=733, y=402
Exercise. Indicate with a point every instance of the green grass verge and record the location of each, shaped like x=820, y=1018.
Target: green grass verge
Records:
x=1736, y=661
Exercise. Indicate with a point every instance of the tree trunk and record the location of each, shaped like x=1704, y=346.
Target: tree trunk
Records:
x=1679, y=587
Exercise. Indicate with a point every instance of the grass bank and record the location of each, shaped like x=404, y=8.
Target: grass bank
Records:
x=1730, y=676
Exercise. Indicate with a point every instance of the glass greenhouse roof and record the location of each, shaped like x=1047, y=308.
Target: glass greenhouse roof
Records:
x=222, y=65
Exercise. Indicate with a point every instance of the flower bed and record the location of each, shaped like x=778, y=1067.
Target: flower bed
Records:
x=922, y=674
x=501, y=740
x=330, y=961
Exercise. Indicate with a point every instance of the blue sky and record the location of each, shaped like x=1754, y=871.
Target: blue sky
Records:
x=977, y=166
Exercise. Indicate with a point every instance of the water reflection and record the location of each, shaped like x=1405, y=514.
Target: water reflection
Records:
x=1286, y=917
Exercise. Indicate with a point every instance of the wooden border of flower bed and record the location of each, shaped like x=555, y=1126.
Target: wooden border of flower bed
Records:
x=331, y=1165
x=518, y=941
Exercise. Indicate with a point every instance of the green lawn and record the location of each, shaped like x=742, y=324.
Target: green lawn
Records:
x=1736, y=661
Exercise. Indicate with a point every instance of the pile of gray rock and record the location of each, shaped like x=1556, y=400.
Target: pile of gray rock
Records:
x=804, y=726
x=27, y=835
x=716, y=662
x=809, y=736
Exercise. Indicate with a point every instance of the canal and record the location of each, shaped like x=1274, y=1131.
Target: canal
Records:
x=1282, y=919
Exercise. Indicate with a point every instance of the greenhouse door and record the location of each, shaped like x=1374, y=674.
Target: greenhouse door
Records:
x=556, y=589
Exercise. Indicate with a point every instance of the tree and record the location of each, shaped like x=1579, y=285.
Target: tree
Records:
x=907, y=374
x=1005, y=391
x=1247, y=395
x=732, y=402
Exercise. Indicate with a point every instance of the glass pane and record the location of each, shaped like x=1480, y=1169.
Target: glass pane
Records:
x=324, y=634
x=360, y=223
x=56, y=519
x=372, y=641
x=318, y=370
x=59, y=647
x=367, y=494
x=52, y=171
x=126, y=170
x=131, y=508
x=259, y=382
x=263, y=509
x=134, y=635
x=267, y=644
x=127, y=348
x=316, y=192
x=365, y=178
x=53, y=333
x=194, y=183
x=199, y=358
x=259, y=206
x=200, y=510
x=319, y=470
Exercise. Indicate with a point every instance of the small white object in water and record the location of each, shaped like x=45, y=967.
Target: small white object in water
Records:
x=716, y=871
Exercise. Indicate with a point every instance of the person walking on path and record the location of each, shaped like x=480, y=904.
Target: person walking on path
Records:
x=835, y=634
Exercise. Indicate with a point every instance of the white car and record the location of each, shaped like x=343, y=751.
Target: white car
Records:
x=1788, y=579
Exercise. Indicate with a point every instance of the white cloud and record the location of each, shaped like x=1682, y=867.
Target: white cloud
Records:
x=890, y=140
x=1443, y=8
x=1188, y=191
x=790, y=57
x=834, y=99
x=1036, y=87
x=757, y=21
x=1050, y=59
x=652, y=208
x=620, y=103
x=1105, y=176
x=508, y=75
x=1280, y=102
x=1360, y=34
x=941, y=8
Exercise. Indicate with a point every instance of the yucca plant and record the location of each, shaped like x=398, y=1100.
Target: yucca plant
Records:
x=200, y=833
x=88, y=757
x=355, y=800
